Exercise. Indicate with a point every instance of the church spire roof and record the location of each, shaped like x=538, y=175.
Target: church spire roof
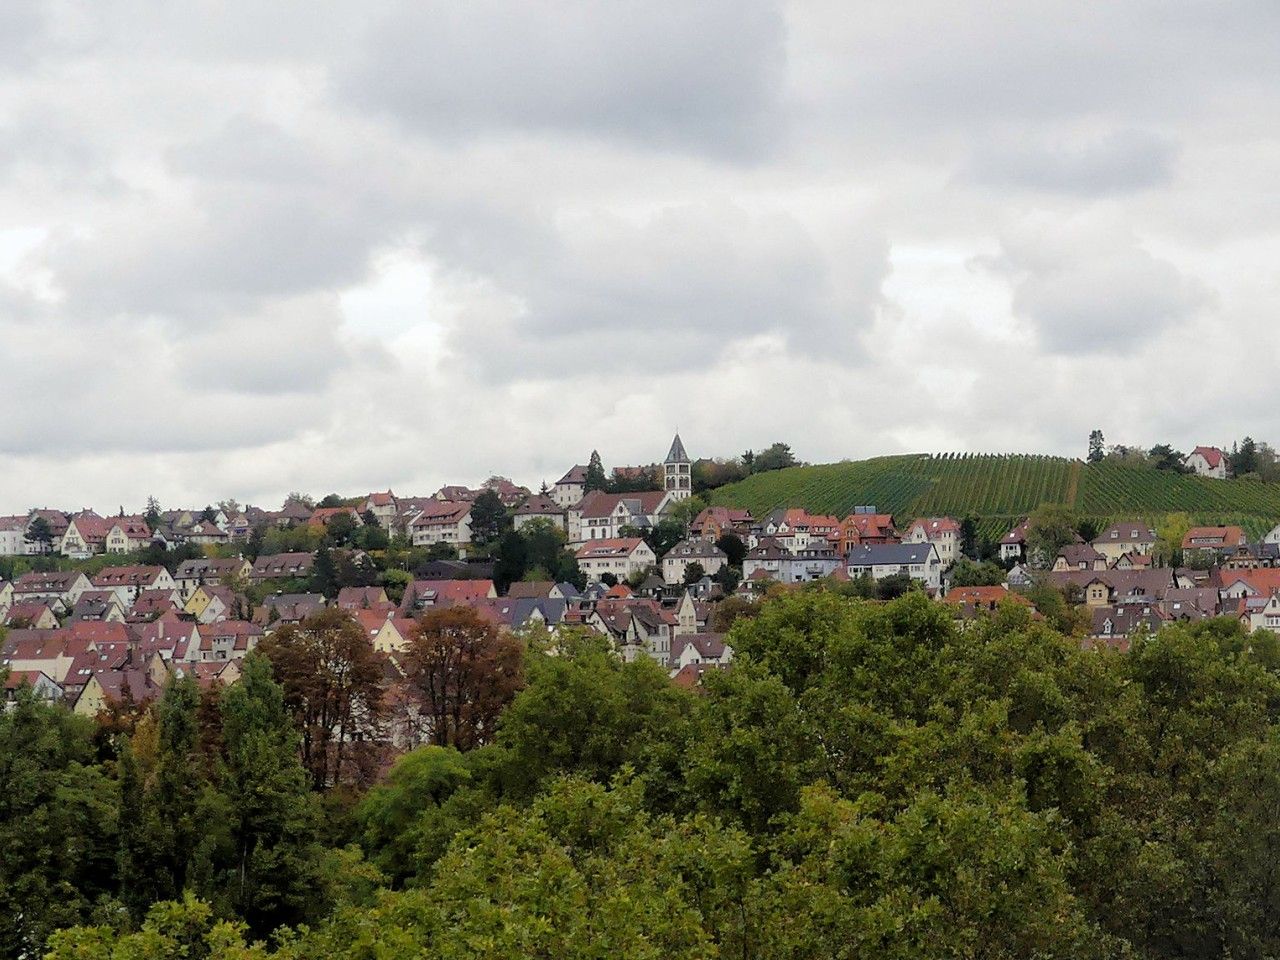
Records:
x=677, y=454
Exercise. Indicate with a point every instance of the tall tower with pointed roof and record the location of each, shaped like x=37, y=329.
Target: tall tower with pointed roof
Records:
x=677, y=471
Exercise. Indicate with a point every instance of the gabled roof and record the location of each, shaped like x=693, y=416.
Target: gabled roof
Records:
x=442, y=511
x=1231, y=536
x=601, y=549
x=126, y=576
x=1129, y=531
x=577, y=475
x=1212, y=456
x=539, y=506
x=1078, y=553
x=936, y=526
x=597, y=503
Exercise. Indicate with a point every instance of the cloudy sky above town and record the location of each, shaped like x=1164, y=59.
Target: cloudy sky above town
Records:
x=251, y=247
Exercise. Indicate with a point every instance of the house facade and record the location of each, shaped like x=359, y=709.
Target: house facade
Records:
x=919, y=561
x=701, y=551
x=942, y=532
x=1207, y=462
x=621, y=556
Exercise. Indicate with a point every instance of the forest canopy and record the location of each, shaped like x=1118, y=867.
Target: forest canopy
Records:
x=869, y=780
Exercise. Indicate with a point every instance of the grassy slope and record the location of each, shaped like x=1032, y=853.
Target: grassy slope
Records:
x=1001, y=489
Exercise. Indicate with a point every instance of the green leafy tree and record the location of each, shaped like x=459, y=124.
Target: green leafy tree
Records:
x=969, y=538
x=586, y=712
x=693, y=572
x=1165, y=457
x=967, y=573
x=511, y=560
x=733, y=548
x=324, y=573
x=270, y=880
x=1050, y=528
x=41, y=534
x=408, y=821
x=341, y=529
x=777, y=456
x=57, y=823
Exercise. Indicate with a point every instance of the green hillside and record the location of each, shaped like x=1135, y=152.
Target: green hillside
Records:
x=1000, y=489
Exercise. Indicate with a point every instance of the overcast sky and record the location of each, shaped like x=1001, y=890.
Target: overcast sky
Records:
x=252, y=247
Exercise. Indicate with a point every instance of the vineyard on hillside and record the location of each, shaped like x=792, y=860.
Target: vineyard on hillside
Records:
x=999, y=489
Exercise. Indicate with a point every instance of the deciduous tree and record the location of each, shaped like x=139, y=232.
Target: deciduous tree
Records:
x=465, y=671
x=331, y=679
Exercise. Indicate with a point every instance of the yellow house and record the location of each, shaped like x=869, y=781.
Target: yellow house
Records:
x=1131, y=536
x=386, y=634
x=1097, y=594
x=145, y=683
x=200, y=599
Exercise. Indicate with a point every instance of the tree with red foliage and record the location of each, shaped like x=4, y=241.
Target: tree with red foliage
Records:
x=466, y=671
x=332, y=686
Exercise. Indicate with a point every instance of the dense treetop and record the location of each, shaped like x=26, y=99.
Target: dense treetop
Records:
x=869, y=780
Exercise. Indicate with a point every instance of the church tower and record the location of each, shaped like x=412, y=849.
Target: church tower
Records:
x=677, y=471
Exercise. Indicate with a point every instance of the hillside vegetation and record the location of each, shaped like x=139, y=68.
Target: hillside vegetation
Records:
x=999, y=489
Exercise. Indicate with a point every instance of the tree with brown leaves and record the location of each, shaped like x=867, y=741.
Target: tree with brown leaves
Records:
x=332, y=685
x=466, y=671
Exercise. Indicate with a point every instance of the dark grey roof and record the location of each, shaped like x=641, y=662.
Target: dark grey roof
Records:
x=877, y=554
x=677, y=453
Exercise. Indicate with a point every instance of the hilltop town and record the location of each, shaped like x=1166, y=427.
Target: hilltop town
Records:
x=99, y=608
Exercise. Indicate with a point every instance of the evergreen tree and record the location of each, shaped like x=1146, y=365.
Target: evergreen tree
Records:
x=1096, y=452
x=324, y=573
x=490, y=519
x=596, y=479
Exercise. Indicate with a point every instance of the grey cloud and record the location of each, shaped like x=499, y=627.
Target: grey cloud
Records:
x=658, y=73
x=1122, y=161
x=240, y=245
x=126, y=388
x=1089, y=289
x=689, y=279
x=247, y=149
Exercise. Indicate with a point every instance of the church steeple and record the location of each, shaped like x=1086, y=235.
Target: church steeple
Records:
x=677, y=471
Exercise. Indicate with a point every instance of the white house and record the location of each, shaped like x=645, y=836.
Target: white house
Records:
x=442, y=521
x=65, y=586
x=919, y=561
x=942, y=532
x=1014, y=544
x=383, y=507
x=620, y=556
x=13, y=537
x=603, y=516
x=538, y=507
x=1207, y=462
x=570, y=488
x=700, y=551
x=765, y=560
x=128, y=582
